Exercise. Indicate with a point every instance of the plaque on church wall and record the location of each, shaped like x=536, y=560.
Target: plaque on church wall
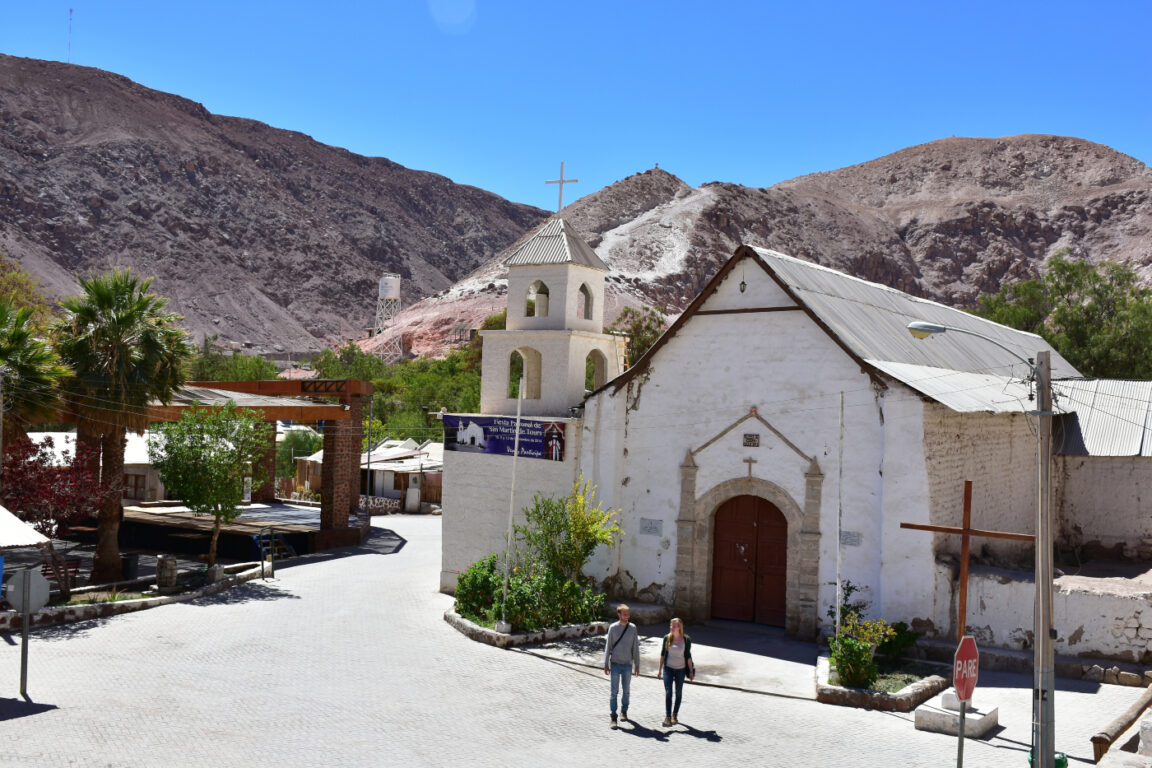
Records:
x=751, y=441
x=850, y=538
x=651, y=527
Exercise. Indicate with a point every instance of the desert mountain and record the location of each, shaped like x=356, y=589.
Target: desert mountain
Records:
x=947, y=220
x=254, y=233
x=267, y=236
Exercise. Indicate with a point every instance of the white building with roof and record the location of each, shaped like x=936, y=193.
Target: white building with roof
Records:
x=778, y=434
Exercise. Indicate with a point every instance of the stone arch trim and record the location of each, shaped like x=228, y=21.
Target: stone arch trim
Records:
x=694, y=545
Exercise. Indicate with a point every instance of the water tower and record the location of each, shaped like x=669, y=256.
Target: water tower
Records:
x=387, y=307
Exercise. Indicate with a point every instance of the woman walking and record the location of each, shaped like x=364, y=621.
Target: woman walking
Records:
x=675, y=663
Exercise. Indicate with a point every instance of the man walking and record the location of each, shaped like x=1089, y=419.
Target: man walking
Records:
x=621, y=659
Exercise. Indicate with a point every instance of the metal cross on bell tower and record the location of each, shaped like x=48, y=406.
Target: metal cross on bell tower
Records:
x=561, y=181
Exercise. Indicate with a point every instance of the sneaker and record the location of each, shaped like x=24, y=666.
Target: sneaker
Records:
x=614, y=725
x=675, y=720
x=667, y=722
x=624, y=715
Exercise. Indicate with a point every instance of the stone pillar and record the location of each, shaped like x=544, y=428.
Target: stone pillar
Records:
x=686, y=542
x=266, y=493
x=356, y=439
x=334, y=483
x=806, y=607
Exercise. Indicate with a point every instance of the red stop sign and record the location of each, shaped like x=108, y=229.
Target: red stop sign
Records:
x=966, y=668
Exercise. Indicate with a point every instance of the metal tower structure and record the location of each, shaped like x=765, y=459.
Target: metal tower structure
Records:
x=387, y=307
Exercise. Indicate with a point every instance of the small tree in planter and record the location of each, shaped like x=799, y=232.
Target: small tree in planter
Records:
x=205, y=458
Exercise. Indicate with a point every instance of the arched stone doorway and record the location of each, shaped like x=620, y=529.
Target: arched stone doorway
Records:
x=750, y=562
x=695, y=549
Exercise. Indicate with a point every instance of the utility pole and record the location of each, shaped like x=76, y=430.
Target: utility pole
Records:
x=1044, y=741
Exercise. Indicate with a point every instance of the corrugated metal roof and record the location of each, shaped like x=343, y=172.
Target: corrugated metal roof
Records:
x=1111, y=417
x=872, y=320
x=556, y=243
x=961, y=390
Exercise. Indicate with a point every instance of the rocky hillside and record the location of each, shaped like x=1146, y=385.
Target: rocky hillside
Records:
x=257, y=234
x=948, y=220
x=265, y=236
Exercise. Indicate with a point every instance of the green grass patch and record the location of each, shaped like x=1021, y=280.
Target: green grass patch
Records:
x=894, y=679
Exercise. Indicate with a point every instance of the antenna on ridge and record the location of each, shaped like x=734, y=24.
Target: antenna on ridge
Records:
x=69, y=35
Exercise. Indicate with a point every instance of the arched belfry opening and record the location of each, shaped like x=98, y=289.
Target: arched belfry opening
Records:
x=595, y=370
x=584, y=302
x=537, y=300
x=524, y=363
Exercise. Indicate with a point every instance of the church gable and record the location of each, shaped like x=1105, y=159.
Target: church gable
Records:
x=757, y=441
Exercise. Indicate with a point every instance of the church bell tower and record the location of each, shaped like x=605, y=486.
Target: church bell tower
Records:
x=554, y=336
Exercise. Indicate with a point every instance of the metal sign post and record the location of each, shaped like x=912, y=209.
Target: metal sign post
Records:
x=965, y=670
x=28, y=592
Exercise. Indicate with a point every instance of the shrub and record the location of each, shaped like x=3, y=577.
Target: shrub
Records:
x=563, y=533
x=892, y=649
x=853, y=650
x=477, y=588
x=539, y=597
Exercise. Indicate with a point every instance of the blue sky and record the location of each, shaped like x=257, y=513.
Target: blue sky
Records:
x=497, y=94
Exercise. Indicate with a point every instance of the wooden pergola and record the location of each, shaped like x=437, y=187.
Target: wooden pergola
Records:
x=299, y=400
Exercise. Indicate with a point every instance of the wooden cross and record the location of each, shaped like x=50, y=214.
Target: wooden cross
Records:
x=561, y=181
x=749, y=461
x=966, y=531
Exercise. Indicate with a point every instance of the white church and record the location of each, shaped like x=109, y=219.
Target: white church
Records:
x=778, y=434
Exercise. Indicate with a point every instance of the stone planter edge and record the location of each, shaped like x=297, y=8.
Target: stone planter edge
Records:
x=480, y=634
x=904, y=700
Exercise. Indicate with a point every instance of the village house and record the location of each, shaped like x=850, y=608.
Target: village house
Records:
x=777, y=435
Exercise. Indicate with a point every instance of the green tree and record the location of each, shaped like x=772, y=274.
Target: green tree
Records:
x=1098, y=318
x=31, y=372
x=210, y=364
x=296, y=443
x=642, y=327
x=125, y=351
x=205, y=458
x=23, y=291
x=349, y=362
x=563, y=533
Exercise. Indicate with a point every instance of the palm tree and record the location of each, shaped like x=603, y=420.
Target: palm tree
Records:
x=31, y=372
x=125, y=351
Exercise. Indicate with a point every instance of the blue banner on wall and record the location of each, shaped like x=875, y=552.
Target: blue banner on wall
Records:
x=497, y=434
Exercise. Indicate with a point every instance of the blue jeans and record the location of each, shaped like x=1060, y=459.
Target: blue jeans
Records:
x=621, y=677
x=673, y=676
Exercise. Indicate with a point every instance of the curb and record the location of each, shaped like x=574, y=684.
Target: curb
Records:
x=63, y=614
x=501, y=640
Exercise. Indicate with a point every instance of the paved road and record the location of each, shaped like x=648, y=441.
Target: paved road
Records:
x=346, y=661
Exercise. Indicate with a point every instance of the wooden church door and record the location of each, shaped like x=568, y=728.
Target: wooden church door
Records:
x=749, y=561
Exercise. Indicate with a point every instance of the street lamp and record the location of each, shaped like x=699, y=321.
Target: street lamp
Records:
x=1043, y=664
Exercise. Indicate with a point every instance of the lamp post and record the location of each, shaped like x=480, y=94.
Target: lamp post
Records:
x=1043, y=664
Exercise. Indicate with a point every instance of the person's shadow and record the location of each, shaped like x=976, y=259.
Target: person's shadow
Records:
x=633, y=728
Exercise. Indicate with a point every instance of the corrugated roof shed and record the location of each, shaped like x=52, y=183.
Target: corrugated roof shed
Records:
x=1106, y=417
x=556, y=243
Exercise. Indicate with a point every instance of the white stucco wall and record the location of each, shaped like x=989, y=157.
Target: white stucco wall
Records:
x=1116, y=520
x=1096, y=620
x=704, y=380
x=476, y=501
